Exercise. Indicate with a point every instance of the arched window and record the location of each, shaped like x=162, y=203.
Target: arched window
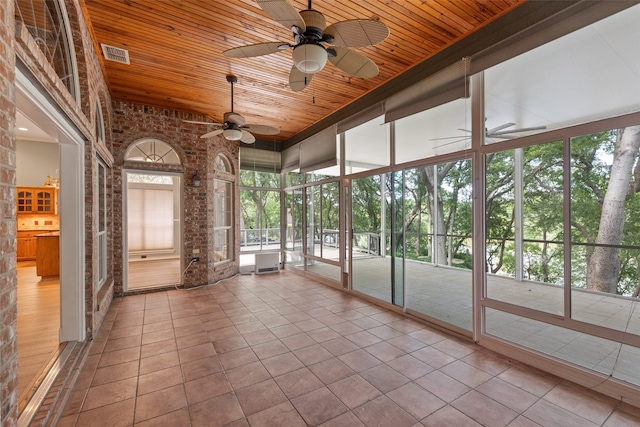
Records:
x=99, y=123
x=46, y=21
x=222, y=164
x=152, y=150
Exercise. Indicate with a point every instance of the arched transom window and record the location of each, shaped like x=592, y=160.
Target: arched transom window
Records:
x=46, y=21
x=222, y=163
x=152, y=150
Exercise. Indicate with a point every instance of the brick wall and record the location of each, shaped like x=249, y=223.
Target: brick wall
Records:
x=133, y=122
x=8, y=280
x=81, y=112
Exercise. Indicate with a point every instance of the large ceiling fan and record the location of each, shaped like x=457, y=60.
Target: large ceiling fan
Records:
x=311, y=36
x=234, y=126
x=498, y=132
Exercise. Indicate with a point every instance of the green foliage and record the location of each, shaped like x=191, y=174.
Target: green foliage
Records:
x=433, y=205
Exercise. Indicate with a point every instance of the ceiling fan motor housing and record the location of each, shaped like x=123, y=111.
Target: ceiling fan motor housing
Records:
x=310, y=56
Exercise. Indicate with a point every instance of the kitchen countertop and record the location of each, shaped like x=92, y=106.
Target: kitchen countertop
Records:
x=49, y=234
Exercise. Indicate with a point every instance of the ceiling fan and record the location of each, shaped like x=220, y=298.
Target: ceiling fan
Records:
x=498, y=132
x=311, y=36
x=235, y=127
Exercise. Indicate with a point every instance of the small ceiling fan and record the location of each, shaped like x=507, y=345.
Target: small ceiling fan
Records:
x=498, y=132
x=234, y=126
x=311, y=36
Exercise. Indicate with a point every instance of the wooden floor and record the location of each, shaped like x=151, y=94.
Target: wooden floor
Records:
x=153, y=273
x=38, y=326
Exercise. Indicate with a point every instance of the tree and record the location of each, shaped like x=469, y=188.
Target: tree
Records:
x=604, y=264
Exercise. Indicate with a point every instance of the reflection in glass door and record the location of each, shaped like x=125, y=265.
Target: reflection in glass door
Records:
x=438, y=241
x=371, y=265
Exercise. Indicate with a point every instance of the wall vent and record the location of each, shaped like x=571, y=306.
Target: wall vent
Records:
x=112, y=53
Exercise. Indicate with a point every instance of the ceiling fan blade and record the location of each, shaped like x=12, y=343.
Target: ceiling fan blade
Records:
x=203, y=123
x=247, y=138
x=262, y=129
x=298, y=80
x=494, y=136
x=283, y=12
x=451, y=142
x=357, y=32
x=234, y=118
x=252, y=50
x=516, y=130
x=354, y=63
x=497, y=128
x=212, y=133
x=450, y=137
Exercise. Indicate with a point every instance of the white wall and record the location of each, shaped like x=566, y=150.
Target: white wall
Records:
x=34, y=161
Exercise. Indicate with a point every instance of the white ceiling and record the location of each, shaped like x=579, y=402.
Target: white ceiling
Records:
x=26, y=130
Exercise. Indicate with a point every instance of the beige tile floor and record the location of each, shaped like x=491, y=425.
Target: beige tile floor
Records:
x=283, y=350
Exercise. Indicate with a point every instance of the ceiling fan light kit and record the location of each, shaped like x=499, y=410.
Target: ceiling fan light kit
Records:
x=309, y=58
x=232, y=134
x=315, y=42
x=235, y=127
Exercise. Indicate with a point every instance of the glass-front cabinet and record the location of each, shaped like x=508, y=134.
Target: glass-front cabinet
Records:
x=36, y=200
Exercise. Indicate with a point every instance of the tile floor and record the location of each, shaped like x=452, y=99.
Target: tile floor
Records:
x=284, y=350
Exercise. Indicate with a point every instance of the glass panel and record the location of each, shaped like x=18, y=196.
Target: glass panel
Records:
x=599, y=354
x=222, y=245
x=43, y=201
x=102, y=223
x=293, y=178
x=323, y=269
x=46, y=22
x=294, y=221
x=154, y=151
x=322, y=175
x=525, y=193
x=223, y=220
x=605, y=237
x=440, y=130
x=295, y=259
x=367, y=146
x=312, y=233
x=444, y=292
x=371, y=273
x=249, y=178
x=397, y=236
x=222, y=203
x=330, y=239
x=25, y=201
x=102, y=197
x=260, y=220
x=587, y=75
x=222, y=164
x=149, y=179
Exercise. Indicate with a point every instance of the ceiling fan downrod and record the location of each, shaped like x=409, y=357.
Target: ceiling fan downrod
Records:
x=232, y=79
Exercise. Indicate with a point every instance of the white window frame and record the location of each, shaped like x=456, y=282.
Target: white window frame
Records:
x=223, y=221
x=102, y=219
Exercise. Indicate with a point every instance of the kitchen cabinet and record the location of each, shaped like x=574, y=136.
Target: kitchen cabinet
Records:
x=26, y=248
x=48, y=254
x=36, y=200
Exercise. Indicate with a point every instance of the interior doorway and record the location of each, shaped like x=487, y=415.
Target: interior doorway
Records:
x=37, y=254
x=153, y=243
x=50, y=281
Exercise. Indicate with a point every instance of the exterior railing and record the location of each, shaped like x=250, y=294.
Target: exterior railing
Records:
x=265, y=236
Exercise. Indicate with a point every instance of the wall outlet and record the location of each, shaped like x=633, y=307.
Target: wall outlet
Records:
x=196, y=251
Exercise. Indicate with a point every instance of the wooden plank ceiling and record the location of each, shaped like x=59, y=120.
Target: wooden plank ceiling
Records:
x=175, y=48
